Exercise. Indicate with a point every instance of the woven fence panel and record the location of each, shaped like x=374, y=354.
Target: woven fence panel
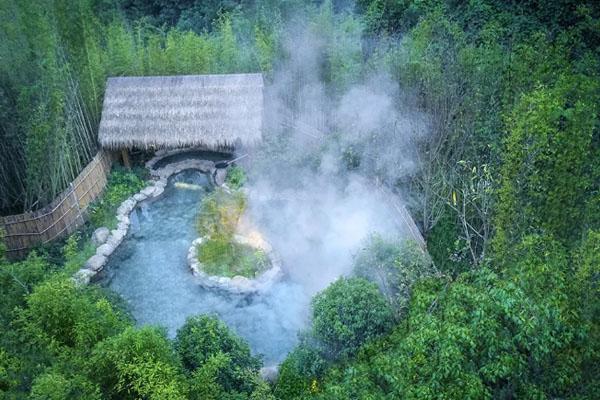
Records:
x=62, y=216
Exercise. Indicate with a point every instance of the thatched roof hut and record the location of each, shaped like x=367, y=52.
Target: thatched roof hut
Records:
x=213, y=111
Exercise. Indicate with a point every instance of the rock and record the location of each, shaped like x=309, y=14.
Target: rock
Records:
x=147, y=191
x=269, y=374
x=139, y=197
x=219, y=176
x=95, y=263
x=123, y=225
x=242, y=283
x=118, y=234
x=100, y=235
x=158, y=191
x=105, y=250
x=83, y=277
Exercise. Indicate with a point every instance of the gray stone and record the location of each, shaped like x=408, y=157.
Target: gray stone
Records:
x=123, y=225
x=105, y=250
x=117, y=234
x=100, y=235
x=95, y=263
x=147, y=191
x=219, y=176
x=139, y=197
x=158, y=191
x=242, y=283
x=83, y=277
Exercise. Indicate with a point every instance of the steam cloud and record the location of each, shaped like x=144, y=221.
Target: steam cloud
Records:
x=313, y=181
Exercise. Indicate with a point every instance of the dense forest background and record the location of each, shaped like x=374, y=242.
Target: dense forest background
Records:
x=507, y=196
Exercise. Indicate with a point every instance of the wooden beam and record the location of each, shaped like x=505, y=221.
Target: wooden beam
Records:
x=125, y=155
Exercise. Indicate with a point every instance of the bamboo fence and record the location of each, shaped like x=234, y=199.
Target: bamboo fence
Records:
x=61, y=217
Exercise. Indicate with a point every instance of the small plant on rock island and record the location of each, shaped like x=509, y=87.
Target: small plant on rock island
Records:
x=236, y=177
x=219, y=253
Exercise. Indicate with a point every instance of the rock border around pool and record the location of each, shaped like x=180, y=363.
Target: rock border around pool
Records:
x=238, y=284
x=108, y=243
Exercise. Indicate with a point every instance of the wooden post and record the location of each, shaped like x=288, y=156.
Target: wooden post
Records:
x=125, y=156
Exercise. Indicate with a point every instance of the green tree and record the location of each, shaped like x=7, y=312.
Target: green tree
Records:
x=205, y=339
x=348, y=313
x=395, y=267
x=61, y=313
x=55, y=386
x=138, y=363
x=546, y=176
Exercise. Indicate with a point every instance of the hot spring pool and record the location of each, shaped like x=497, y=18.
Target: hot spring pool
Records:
x=149, y=270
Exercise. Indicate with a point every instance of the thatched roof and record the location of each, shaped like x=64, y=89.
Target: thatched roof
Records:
x=214, y=111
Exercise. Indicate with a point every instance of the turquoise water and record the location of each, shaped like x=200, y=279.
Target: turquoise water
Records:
x=149, y=270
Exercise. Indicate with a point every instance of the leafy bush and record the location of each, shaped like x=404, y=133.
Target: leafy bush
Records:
x=220, y=212
x=219, y=253
x=394, y=266
x=76, y=251
x=138, y=363
x=349, y=313
x=236, y=177
x=299, y=373
x=55, y=386
x=121, y=184
x=228, y=258
x=59, y=312
x=206, y=342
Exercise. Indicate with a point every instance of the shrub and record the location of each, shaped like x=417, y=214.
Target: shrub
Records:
x=395, y=266
x=121, y=184
x=204, y=340
x=55, y=386
x=299, y=372
x=220, y=212
x=349, y=313
x=236, y=177
x=228, y=258
x=138, y=364
x=61, y=313
x=219, y=253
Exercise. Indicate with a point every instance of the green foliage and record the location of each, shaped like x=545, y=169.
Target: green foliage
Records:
x=59, y=313
x=219, y=253
x=490, y=336
x=236, y=177
x=55, y=386
x=121, y=185
x=349, y=313
x=299, y=372
x=17, y=280
x=229, y=258
x=395, y=267
x=447, y=249
x=76, y=252
x=211, y=352
x=546, y=174
x=138, y=363
x=220, y=212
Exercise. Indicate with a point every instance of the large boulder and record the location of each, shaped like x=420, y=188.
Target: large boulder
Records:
x=219, y=176
x=105, y=250
x=96, y=263
x=83, y=277
x=100, y=236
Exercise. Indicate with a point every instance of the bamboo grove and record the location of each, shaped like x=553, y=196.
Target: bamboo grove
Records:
x=56, y=56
